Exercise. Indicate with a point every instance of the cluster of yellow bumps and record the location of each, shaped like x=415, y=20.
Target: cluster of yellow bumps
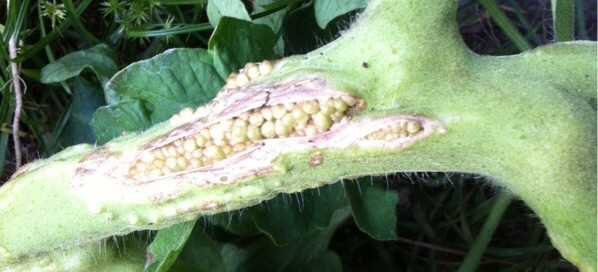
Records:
x=225, y=138
x=231, y=136
x=228, y=137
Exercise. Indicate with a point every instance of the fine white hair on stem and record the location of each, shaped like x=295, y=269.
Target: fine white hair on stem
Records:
x=116, y=244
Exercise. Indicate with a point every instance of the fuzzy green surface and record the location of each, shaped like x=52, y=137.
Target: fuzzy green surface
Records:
x=101, y=256
x=43, y=213
x=528, y=121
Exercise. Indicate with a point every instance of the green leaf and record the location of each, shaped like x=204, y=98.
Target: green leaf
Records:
x=111, y=121
x=501, y=19
x=202, y=253
x=180, y=78
x=327, y=261
x=100, y=59
x=274, y=21
x=288, y=219
x=167, y=245
x=264, y=255
x=237, y=42
x=327, y=10
x=173, y=80
x=302, y=33
x=87, y=97
x=236, y=222
x=226, y=8
x=374, y=208
x=233, y=256
x=305, y=255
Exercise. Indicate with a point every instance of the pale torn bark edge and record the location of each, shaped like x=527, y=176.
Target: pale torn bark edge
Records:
x=102, y=177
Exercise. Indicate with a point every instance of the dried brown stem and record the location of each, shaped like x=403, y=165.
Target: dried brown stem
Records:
x=16, y=86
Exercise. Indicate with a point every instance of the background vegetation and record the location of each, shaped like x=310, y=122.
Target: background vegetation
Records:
x=67, y=50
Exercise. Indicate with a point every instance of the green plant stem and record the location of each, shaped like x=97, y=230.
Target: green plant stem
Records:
x=6, y=111
x=477, y=249
x=70, y=9
x=16, y=87
x=528, y=121
x=273, y=8
x=563, y=16
x=107, y=255
x=505, y=24
x=42, y=43
x=13, y=27
x=47, y=49
x=178, y=29
x=183, y=2
x=526, y=25
x=581, y=20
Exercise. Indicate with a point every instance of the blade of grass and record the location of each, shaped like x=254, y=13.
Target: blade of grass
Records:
x=9, y=25
x=57, y=131
x=479, y=211
x=525, y=23
x=581, y=20
x=563, y=17
x=6, y=115
x=3, y=149
x=116, y=35
x=465, y=229
x=273, y=8
x=13, y=27
x=21, y=17
x=43, y=42
x=47, y=48
x=463, y=9
x=183, y=2
x=518, y=252
x=18, y=91
x=477, y=249
x=505, y=24
x=70, y=10
x=178, y=29
x=4, y=59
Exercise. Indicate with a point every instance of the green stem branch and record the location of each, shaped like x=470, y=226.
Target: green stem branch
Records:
x=477, y=249
x=527, y=121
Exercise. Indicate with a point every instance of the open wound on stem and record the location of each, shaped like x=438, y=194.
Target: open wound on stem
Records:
x=226, y=138
x=240, y=134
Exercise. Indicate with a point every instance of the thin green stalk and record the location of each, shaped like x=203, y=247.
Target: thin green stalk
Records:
x=509, y=118
x=23, y=13
x=16, y=88
x=57, y=131
x=531, y=33
x=41, y=44
x=197, y=11
x=273, y=8
x=183, y=2
x=47, y=49
x=180, y=29
x=505, y=24
x=462, y=14
x=70, y=9
x=581, y=20
x=13, y=26
x=117, y=34
x=6, y=110
x=477, y=249
x=563, y=16
x=465, y=229
x=181, y=15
